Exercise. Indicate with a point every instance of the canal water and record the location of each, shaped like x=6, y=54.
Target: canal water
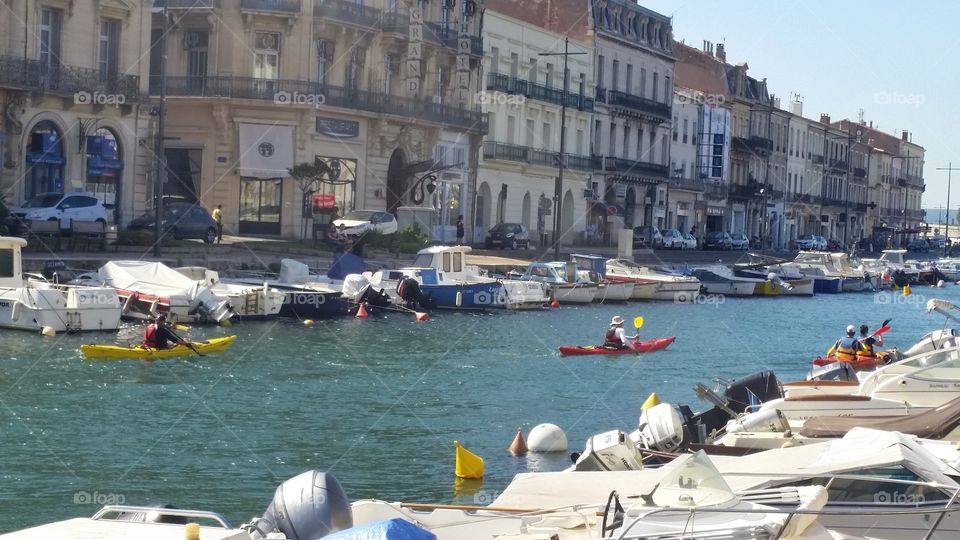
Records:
x=377, y=402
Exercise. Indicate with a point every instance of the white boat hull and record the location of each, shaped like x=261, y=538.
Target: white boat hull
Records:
x=729, y=288
x=64, y=309
x=681, y=292
x=524, y=294
x=614, y=292
x=801, y=287
x=574, y=293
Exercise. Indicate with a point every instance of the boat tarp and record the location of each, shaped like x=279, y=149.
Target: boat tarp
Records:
x=147, y=277
x=389, y=529
x=344, y=264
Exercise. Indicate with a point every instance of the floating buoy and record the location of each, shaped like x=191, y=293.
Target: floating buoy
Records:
x=941, y=284
x=308, y=322
x=421, y=316
x=555, y=303
x=651, y=401
x=519, y=446
x=48, y=331
x=362, y=311
x=547, y=438
x=906, y=290
x=468, y=464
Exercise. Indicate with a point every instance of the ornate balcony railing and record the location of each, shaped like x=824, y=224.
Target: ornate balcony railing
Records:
x=290, y=91
x=830, y=201
x=64, y=80
x=395, y=22
x=188, y=4
x=817, y=159
x=448, y=36
x=352, y=13
x=534, y=156
x=691, y=184
x=859, y=207
x=281, y=6
x=837, y=165
x=902, y=182
x=716, y=190
x=630, y=166
x=512, y=85
x=617, y=98
x=859, y=172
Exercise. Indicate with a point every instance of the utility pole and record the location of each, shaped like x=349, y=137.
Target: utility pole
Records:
x=160, y=152
x=946, y=234
x=558, y=183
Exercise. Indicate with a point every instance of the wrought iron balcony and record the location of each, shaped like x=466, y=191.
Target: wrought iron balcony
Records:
x=817, y=159
x=754, y=143
x=859, y=172
x=830, y=201
x=631, y=167
x=837, y=165
x=617, y=98
x=448, y=36
x=716, y=190
x=859, y=207
x=394, y=22
x=188, y=4
x=535, y=156
x=691, y=184
x=352, y=13
x=902, y=182
x=332, y=96
x=281, y=6
x=63, y=80
x=512, y=85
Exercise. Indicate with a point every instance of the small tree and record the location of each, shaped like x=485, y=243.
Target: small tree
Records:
x=307, y=175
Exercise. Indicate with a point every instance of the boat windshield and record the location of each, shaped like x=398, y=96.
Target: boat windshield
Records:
x=6, y=263
x=693, y=481
x=941, y=365
x=893, y=485
x=423, y=260
x=624, y=263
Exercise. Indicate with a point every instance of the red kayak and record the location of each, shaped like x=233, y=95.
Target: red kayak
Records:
x=636, y=347
x=862, y=362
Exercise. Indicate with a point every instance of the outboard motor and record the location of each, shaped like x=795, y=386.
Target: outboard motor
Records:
x=409, y=290
x=308, y=506
x=737, y=396
x=373, y=297
x=899, y=278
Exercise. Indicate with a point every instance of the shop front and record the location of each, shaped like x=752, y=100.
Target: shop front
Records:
x=266, y=155
x=45, y=160
x=105, y=169
x=715, y=218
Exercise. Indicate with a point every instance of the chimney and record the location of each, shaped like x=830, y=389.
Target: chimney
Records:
x=796, y=108
x=775, y=100
x=871, y=124
x=905, y=136
x=825, y=118
x=721, y=54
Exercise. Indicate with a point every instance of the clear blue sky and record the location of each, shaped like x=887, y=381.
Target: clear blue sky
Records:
x=843, y=56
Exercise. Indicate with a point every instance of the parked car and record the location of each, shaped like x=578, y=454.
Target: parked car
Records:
x=739, y=241
x=672, y=238
x=809, y=242
x=180, y=220
x=717, y=240
x=647, y=236
x=504, y=235
x=359, y=222
x=918, y=244
x=689, y=241
x=62, y=207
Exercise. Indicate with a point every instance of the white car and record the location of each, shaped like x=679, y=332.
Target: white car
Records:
x=689, y=241
x=360, y=222
x=62, y=207
x=672, y=238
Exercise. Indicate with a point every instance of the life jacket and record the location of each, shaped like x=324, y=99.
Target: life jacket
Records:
x=610, y=339
x=846, y=349
x=150, y=337
x=866, y=348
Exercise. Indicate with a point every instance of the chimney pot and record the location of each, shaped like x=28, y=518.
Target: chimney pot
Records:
x=905, y=136
x=721, y=53
x=825, y=118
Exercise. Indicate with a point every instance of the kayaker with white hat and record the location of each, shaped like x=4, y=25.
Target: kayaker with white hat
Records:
x=847, y=347
x=616, y=336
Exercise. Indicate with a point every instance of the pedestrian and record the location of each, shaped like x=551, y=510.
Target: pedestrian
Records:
x=460, y=230
x=217, y=216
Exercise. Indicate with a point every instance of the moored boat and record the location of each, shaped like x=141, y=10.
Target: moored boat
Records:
x=719, y=280
x=248, y=301
x=670, y=286
x=562, y=279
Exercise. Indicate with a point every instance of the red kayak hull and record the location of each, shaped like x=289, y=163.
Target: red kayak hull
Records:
x=636, y=347
x=862, y=362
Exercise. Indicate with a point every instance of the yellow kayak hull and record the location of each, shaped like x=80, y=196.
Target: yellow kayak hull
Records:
x=117, y=352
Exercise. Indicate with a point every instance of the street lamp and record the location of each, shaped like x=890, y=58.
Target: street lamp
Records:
x=161, y=112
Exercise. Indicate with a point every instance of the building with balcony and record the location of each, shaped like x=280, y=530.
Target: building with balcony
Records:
x=523, y=100
x=686, y=206
x=382, y=93
x=73, y=91
x=634, y=70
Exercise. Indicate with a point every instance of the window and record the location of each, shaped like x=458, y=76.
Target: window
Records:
x=532, y=74
x=676, y=126
x=600, y=71
x=7, y=263
x=656, y=77
x=494, y=60
x=640, y=143
x=693, y=133
x=643, y=81
x=324, y=59
x=685, y=126
x=628, y=86
x=626, y=140
x=388, y=66
x=51, y=28
x=196, y=42
x=549, y=81
x=595, y=140
x=612, y=151
x=108, y=49
x=511, y=129
x=580, y=141
x=583, y=86
x=267, y=55
x=531, y=134
x=354, y=67
x=615, y=75
x=666, y=88
x=514, y=65
x=547, y=136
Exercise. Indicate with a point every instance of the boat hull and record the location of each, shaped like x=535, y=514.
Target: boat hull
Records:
x=729, y=288
x=680, y=292
x=827, y=285
x=854, y=284
x=74, y=309
x=767, y=288
x=636, y=347
x=801, y=287
x=116, y=352
x=574, y=293
x=614, y=292
x=524, y=294
x=464, y=296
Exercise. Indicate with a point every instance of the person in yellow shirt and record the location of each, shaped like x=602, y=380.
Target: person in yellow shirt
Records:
x=217, y=216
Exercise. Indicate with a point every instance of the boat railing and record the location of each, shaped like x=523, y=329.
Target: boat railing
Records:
x=176, y=512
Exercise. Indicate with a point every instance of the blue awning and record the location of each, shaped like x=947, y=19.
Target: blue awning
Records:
x=96, y=165
x=46, y=158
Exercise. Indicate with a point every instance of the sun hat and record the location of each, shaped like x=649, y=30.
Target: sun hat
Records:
x=851, y=329
x=616, y=320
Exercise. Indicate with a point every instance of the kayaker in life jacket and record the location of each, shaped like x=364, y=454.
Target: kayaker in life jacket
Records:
x=616, y=337
x=869, y=341
x=847, y=347
x=159, y=336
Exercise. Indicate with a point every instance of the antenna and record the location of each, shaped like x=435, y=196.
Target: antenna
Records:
x=861, y=115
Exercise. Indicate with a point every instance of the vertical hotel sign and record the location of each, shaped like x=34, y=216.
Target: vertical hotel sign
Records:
x=464, y=44
x=415, y=50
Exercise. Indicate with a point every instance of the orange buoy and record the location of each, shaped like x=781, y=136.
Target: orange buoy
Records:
x=555, y=303
x=362, y=311
x=519, y=446
x=421, y=316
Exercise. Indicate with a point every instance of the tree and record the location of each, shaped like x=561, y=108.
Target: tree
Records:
x=307, y=175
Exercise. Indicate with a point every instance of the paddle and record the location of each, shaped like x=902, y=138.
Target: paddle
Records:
x=186, y=343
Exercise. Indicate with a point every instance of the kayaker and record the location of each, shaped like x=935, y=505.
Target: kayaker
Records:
x=868, y=340
x=159, y=336
x=616, y=336
x=847, y=347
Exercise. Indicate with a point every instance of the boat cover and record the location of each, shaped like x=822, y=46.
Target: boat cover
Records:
x=149, y=277
x=932, y=424
x=389, y=529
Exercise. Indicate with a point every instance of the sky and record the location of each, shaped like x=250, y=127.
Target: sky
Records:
x=895, y=60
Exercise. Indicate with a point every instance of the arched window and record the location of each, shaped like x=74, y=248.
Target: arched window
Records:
x=45, y=160
x=104, y=165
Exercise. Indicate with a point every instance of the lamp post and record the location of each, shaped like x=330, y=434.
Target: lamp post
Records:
x=160, y=152
x=946, y=233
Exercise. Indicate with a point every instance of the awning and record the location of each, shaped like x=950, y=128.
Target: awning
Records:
x=97, y=166
x=266, y=150
x=45, y=158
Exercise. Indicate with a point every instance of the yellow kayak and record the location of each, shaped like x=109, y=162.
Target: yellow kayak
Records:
x=116, y=352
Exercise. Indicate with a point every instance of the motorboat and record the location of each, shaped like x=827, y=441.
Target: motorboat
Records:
x=247, y=300
x=790, y=280
x=306, y=296
x=827, y=277
x=429, y=288
x=671, y=286
x=566, y=286
x=594, y=268
x=719, y=280
x=148, y=288
x=890, y=261
x=36, y=304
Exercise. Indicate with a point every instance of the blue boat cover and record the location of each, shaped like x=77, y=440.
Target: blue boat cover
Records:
x=389, y=529
x=346, y=263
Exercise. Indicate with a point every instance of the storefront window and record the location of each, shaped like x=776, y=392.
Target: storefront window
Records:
x=260, y=204
x=45, y=160
x=104, y=165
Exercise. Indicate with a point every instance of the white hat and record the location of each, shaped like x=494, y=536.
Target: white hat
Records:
x=851, y=329
x=616, y=320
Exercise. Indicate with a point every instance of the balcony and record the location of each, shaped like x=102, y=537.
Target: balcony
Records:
x=837, y=165
x=615, y=98
x=276, y=6
x=352, y=13
x=524, y=154
x=901, y=182
x=802, y=198
x=62, y=80
x=715, y=190
x=754, y=143
x=859, y=207
x=836, y=203
x=188, y=4
x=447, y=35
x=333, y=96
x=512, y=85
x=817, y=159
x=394, y=22
x=859, y=172
x=629, y=167
x=689, y=184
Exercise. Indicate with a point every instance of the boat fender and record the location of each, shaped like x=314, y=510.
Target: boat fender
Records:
x=126, y=303
x=459, y=298
x=15, y=311
x=308, y=506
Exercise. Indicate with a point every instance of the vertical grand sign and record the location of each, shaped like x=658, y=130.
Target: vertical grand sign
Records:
x=464, y=44
x=415, y=51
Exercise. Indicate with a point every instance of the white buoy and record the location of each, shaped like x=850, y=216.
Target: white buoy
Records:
x=48, y=331
x=941, y=284
x=547, y=438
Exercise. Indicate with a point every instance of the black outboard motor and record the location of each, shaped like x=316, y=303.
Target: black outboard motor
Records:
x=899, y=278
x=409, y=290
x=308, y=506
x=737, y=396
x=373, y=297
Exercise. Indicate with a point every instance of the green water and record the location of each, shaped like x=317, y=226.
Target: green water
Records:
x=376, y=402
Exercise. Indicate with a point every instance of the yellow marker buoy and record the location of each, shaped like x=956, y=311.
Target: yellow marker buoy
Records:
x=651, y=401
x=519, y=446
x=906, y=290
x=468, y=464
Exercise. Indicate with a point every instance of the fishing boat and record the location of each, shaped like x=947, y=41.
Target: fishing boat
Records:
x=827, y=278
x=594, y=269
x=670, y=286
x=719, y=280
x=305, y=295
x=249, y=301
x=890, y=261
x=430, y=288
x=790, y=280
x=633, y=347
x=564, y=283
x=34, y=304
x=118, y=352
